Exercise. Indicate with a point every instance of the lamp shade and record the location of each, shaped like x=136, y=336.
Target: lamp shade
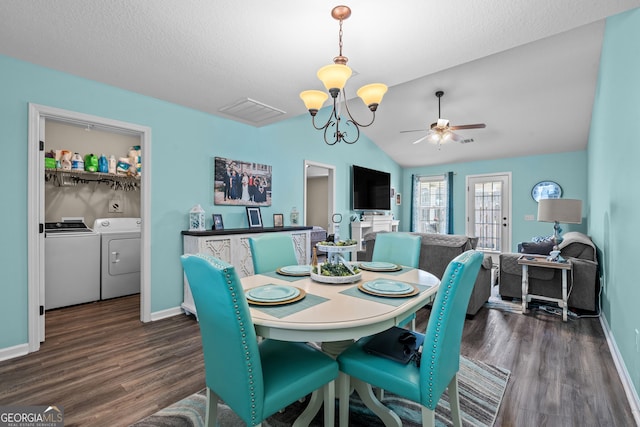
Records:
x=372, y=94
x=334, y=76
x=313, y=99
x=566, y=211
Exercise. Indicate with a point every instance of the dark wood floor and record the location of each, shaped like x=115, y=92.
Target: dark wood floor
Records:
x=108, y=369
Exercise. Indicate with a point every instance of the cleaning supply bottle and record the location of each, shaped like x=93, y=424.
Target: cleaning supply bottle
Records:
x=103, y=164
x=91, y=163
x=112, y=164
x=77, y=164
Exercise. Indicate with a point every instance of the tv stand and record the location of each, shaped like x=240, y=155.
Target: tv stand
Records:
x=370, y=224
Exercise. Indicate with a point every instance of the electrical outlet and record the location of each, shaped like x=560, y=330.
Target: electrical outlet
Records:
x=115, y=206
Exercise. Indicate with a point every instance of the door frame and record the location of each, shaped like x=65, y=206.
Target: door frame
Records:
x=331, y=191
x=506, y=242
x=35, y=210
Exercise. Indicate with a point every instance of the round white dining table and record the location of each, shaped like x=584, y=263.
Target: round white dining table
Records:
x=346, y=313
x=336, y=314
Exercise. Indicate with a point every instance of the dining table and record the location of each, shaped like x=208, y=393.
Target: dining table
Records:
x=336, y=314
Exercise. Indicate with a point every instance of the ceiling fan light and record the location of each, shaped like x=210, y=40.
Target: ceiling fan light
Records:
x=334, y=76
x=313, y=99
x=372, y=94
x=434, y=138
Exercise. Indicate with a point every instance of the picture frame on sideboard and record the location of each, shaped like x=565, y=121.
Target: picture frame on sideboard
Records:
x=254, y=217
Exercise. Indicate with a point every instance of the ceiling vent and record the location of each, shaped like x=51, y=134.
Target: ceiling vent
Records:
x=251, y=111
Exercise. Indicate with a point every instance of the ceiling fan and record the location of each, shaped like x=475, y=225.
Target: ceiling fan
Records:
x=441, y=132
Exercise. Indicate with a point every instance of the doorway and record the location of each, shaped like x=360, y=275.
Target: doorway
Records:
x=319, y=195
x=489, y=212
x=38, y=115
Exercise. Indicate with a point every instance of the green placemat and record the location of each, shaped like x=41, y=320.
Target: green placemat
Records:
x=284, y=310
x=395, y=301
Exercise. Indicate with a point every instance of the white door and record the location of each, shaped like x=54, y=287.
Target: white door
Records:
x=489, y=211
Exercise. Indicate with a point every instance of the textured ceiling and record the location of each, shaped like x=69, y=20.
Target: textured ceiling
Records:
x=526, y=69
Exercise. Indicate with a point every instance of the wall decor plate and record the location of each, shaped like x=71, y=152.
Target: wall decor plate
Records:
x=546, y=190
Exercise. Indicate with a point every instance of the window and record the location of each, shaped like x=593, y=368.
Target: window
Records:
x=431, y=204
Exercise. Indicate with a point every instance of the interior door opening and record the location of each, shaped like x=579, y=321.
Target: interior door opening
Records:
x=38, y=116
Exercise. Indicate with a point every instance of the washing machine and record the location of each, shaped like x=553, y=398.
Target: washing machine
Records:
x=71, y=264
x=120, y=260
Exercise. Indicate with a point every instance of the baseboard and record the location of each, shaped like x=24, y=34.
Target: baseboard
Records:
x=625, y=378
x=13, y=352
x=163, y=314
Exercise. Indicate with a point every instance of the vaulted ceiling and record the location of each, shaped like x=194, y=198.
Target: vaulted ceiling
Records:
x=526, y=69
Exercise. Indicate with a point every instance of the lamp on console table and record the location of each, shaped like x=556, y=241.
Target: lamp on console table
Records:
x=567, y=211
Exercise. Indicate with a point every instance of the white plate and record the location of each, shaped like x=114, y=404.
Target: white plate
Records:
x=390, y=287
x=379, y=265
x=272, y=293
x=296, y=269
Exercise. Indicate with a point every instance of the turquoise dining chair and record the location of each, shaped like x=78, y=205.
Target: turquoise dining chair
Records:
x=398, y=248
x=439, y=363
x=271, y=251
x=254, y=379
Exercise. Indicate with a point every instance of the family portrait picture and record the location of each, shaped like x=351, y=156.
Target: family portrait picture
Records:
x=241, y=183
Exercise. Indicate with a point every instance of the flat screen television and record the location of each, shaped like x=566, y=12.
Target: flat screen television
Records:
x=371, y=189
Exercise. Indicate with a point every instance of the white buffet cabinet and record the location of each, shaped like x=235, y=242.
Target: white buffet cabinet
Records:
x=372, y=224
x=232, y=246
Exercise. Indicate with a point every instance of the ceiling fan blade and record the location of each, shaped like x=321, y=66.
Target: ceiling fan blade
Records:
x=474, y=126
x=414, y=130
x=421, y=139
x=454, y=137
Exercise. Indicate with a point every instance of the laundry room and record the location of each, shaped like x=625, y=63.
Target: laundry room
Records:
x=92, y=213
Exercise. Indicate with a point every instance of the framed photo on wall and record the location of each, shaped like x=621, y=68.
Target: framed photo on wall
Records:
x=278, y=220
x=254, y=217
x=241, y=183
x=217, y=222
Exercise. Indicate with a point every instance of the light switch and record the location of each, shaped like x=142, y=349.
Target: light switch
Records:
x=528, y=218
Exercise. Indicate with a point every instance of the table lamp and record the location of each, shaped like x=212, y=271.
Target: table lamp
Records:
x=568, y=211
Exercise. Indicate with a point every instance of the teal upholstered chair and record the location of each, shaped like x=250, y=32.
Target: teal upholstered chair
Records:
x=254, y=379
x=440, y=359
x=398, y=248
x=270, y=251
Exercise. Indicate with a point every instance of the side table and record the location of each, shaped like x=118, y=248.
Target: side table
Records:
x=541, y=261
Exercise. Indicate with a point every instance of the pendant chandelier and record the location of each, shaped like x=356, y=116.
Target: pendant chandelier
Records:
x=334, y=77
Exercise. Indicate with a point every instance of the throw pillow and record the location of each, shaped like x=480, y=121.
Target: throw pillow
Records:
x=542, y=248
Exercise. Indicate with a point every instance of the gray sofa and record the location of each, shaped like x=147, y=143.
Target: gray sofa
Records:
x=436, y=251
x=576, y=247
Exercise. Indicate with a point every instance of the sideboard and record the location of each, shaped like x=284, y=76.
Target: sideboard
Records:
x=232, y=246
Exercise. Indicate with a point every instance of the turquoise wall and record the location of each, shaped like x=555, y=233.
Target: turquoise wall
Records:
x=184, y=143
x=614, y=150
x=567, y=169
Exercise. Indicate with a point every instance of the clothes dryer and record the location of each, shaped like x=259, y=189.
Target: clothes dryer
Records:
x=120, y=260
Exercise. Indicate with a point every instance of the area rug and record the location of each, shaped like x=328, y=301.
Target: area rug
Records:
x=481, y=388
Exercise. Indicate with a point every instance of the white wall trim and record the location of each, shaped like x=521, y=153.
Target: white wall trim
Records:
x=625, y=378
x=36, y=113
x=12, y=352
x=164, y=314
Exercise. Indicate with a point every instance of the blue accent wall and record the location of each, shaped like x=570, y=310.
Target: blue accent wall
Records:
x=184, y=143
x=614, y=173
x=567, y=169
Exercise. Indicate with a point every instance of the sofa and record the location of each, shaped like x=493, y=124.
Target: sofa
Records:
x=576, y=247
x=436, y=251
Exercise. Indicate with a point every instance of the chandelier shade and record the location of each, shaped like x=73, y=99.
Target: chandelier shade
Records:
x=334, y=78
x=313, y=99
x=372, y=94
